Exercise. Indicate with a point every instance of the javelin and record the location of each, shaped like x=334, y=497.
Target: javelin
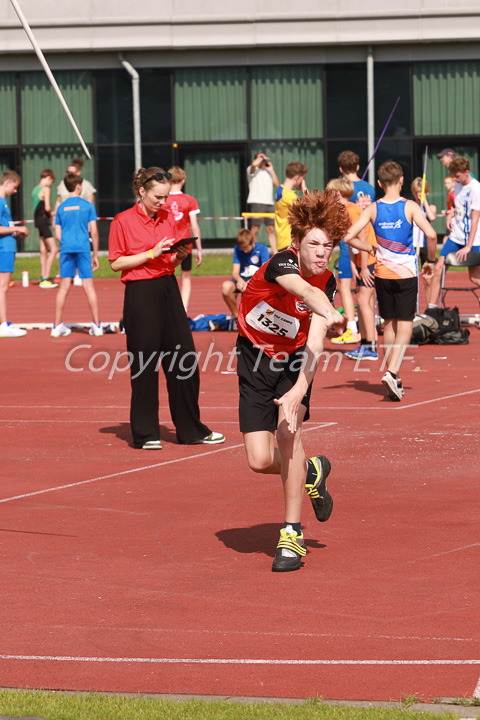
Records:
x=380, y=138
x=44, y=63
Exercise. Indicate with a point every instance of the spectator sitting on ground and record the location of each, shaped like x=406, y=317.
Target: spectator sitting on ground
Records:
x=248, y=257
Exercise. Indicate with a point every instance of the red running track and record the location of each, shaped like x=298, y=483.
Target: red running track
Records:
x=135, y=572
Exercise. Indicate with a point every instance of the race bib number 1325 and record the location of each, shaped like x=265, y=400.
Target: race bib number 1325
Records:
x=267, y=319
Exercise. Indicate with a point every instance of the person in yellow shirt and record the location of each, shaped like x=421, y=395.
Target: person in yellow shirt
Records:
x=285, y=197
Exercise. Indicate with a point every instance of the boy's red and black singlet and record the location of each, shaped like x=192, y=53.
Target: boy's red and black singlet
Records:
x=271, y=317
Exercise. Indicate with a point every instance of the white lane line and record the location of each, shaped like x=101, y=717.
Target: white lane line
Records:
x=476, y=692
x=323, y=408
x=144, y=467
x=243, y=633
x=231, y=661
x=119, y=474
x=440, y=399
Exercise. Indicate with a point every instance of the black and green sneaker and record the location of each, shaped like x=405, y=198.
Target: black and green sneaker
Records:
x=290, y=550
x=316, y=486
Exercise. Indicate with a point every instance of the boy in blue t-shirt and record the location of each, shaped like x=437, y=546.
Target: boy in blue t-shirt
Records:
x=248, y=257
x=75, y=222
x=9, y=183
x=363, y=192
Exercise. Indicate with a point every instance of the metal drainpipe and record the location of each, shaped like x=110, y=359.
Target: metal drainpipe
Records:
x=370, y=115
x=137, y=134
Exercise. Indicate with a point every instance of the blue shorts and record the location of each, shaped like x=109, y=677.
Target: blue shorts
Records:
x=344, y=265
x=7, y=261
x=69, y=262
x=451, y=246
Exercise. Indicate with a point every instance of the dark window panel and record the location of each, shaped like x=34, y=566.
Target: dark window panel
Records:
x=346, y=101
x=115, y=175
x=392, y=80
x=156, y=101
x=401, y=152
x=114, y=107
x=157, y=155
x=335, y=147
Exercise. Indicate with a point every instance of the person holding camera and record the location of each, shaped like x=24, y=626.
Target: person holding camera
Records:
x=261, y=178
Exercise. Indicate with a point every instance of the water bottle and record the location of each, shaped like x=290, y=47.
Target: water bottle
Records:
x=25, y=282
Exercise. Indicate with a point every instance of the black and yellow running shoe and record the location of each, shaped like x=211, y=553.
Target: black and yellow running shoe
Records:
x=290, y=550
x=316, y=486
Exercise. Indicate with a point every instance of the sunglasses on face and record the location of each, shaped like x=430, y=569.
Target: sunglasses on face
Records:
x=159, y=177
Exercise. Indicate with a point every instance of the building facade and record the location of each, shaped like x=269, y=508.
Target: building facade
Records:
x=218, y=84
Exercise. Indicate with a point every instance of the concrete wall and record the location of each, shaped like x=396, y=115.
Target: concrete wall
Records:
x=117, y=25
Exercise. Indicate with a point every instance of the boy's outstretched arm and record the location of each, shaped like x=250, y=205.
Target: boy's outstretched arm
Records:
x=291, y=401
x=312, y=296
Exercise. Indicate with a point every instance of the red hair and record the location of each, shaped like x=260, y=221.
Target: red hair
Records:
x=319, y=210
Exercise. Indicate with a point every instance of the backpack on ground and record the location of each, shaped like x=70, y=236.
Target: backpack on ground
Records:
x=424, y=328
x=449, y=331
x=454, y=337
x=448, y=319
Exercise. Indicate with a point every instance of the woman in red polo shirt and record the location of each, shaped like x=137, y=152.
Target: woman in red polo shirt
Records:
x=157, y=328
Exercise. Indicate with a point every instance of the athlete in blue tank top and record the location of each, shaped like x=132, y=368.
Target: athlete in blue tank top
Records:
x=396, y=257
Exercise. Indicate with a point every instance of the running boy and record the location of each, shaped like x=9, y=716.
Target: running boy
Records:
x=185, y=210
x=248, y=257
x=396, y=267
x=278, y=353
x=9, y=183
x=75, y=220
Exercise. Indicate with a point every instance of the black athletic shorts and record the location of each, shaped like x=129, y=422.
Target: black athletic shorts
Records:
x=397, y=299
x=44, y=229
x=260, y=380
x=187, y=262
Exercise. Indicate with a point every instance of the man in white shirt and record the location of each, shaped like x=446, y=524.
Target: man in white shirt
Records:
x=261, y=179
x=462, y=224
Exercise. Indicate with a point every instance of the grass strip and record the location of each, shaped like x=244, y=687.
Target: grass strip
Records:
x=96, y=706
x=211, y=265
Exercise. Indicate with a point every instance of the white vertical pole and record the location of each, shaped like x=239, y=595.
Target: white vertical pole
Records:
x=137, y=132
x=370, y=115
x=49, y=73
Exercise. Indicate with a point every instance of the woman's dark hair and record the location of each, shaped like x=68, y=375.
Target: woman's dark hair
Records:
x=77, y=162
